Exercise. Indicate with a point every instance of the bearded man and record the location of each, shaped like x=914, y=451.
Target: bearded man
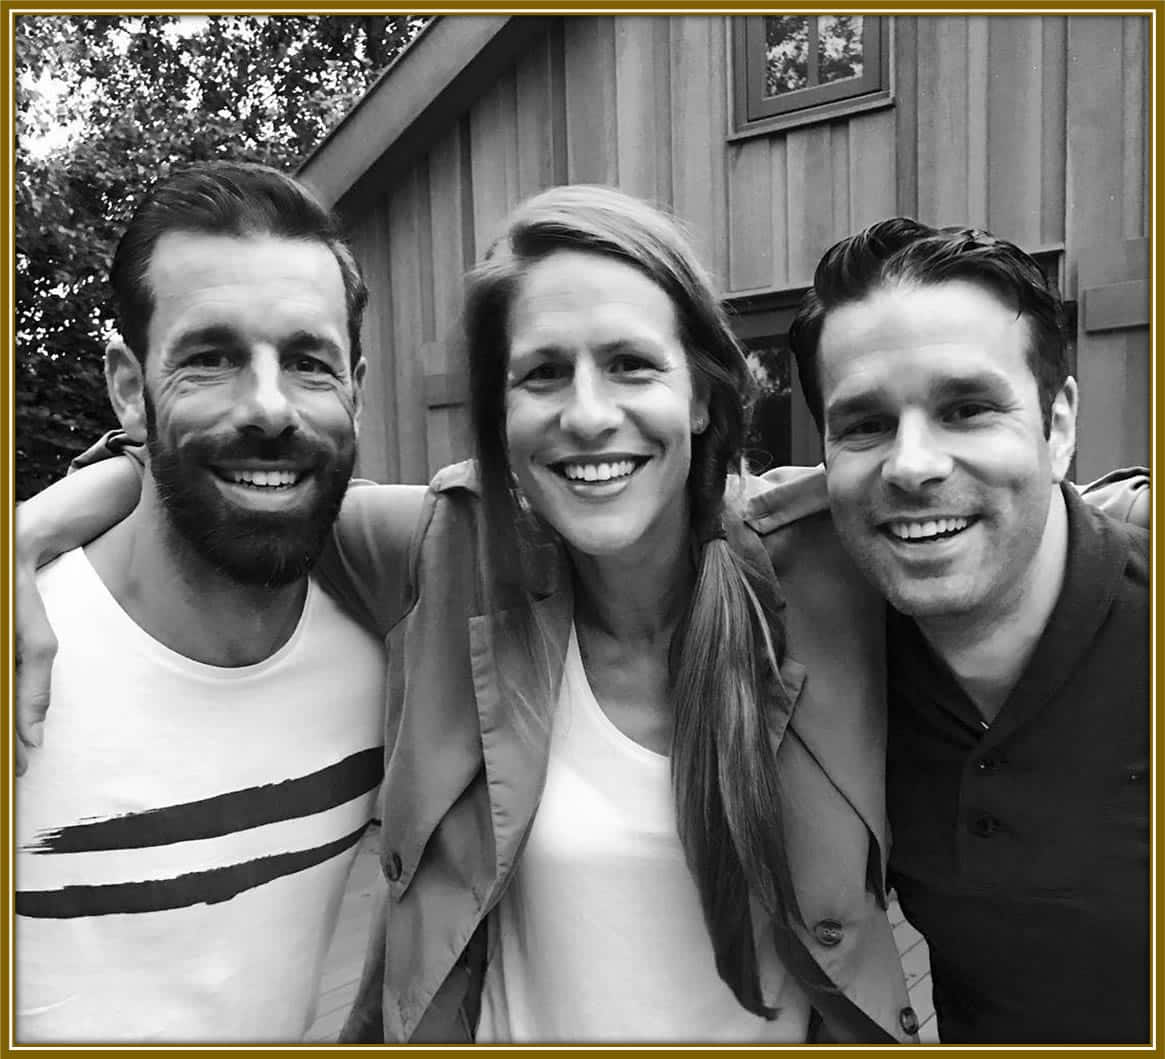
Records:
x=185, y=834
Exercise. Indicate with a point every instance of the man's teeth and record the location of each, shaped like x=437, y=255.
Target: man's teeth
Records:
x=937, y=527
x=598, y=472
x=264, y=479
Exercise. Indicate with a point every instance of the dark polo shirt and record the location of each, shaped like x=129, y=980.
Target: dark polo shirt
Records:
x=1021, y=849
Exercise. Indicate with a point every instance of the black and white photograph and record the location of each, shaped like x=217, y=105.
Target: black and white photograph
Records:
x=582, y=528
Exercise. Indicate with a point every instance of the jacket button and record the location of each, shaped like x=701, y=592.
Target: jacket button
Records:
x=908, y=1020
x=392, y=866
x=828, y=932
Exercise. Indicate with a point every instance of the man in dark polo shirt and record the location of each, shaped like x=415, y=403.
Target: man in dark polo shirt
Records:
x=1018, y=633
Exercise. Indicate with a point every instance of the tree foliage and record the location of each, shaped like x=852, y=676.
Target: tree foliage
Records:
x=105, y=105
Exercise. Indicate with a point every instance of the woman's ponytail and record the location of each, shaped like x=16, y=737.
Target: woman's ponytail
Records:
x=725, y=687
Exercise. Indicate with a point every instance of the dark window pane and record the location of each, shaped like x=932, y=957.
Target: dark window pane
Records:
x=786, y=53
x=768, y=441
x=839, y=47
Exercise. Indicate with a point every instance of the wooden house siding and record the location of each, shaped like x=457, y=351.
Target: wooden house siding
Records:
x=1106, y=234
x=1035, y=127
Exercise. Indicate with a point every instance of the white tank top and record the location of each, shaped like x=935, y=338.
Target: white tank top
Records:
x=600, y=935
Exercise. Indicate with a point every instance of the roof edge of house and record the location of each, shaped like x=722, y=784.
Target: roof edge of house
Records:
x=426, y=83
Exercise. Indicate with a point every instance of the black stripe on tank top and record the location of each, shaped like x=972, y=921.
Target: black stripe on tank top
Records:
x=222, y=814
x=159, y=895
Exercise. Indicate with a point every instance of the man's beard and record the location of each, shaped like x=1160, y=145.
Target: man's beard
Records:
x=256, y=548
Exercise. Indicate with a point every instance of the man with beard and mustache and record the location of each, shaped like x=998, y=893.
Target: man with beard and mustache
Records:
x=934, y=361
x=185, y=834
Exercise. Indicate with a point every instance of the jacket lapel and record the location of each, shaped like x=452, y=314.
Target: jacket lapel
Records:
x=840, y=714
x=517, y=658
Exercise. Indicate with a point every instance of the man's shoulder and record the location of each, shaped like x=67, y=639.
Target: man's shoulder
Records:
x=324, y=621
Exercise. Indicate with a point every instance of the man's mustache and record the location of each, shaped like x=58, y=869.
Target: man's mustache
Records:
x=295, y=449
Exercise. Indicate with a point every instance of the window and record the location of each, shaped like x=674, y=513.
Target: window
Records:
x=782, y=430
x=792, y=69
x=769, y=440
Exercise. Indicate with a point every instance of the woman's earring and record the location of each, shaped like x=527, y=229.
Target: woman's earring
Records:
x=698, y=425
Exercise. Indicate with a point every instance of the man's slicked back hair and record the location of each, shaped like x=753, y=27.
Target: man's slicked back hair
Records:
x=901, y=250
x=232, y=199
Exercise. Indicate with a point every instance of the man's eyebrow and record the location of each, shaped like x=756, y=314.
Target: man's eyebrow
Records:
x=304, y=341
x=210, y=335
x=856, y=405
x=985, y=382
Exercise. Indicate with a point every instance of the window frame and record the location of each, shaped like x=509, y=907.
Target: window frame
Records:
x=763, y=319
x=755, y=114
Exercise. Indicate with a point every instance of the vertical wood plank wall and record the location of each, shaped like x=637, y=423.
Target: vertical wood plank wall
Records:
x=1034, y=127
x=1107, y=220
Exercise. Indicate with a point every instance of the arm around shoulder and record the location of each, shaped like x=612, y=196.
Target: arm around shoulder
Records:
x=1123, y=494
x=69, y=513
x=370, y=561
x=76, y=509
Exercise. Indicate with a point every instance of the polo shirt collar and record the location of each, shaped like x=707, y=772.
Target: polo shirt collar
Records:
x=1092, y=577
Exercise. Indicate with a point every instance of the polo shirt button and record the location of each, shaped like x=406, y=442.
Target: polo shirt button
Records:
x=829, y=932
x=908, y=1020
x=392, y=866
x=987, y=764
x=985, y=826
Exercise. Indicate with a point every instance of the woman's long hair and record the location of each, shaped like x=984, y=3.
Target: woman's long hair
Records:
x=724, y=661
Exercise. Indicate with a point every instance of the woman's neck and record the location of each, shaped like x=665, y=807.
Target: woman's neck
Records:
x=634, y=599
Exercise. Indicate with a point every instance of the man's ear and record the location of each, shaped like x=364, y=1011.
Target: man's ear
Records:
x=126, y=382
x=1062, y=429
x=358, y=373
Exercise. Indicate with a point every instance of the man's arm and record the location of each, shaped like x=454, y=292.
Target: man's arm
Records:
x=1122, y=494
x=66, y=515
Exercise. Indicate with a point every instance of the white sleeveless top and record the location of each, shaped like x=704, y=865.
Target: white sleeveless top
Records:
x=600, y=935
x=185, y=834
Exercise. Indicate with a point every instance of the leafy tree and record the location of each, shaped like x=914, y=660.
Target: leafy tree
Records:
x=105, y=105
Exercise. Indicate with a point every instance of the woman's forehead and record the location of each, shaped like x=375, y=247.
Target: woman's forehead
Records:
x=581, y=295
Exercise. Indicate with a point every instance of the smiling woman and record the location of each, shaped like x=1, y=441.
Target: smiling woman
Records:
x=666, y=860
